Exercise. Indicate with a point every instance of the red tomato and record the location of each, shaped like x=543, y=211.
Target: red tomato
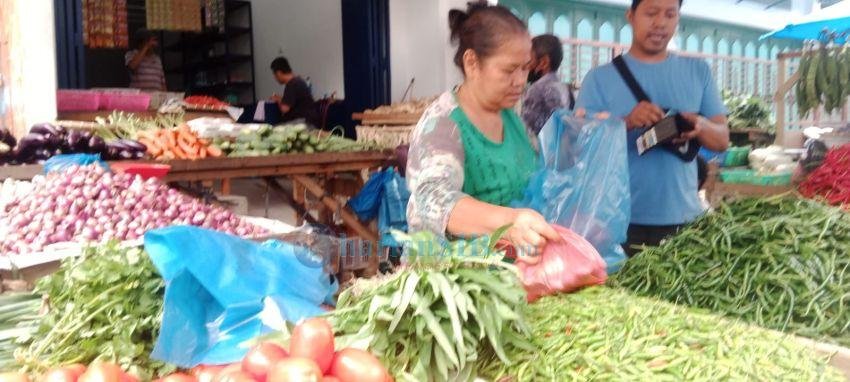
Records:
x=260, y=359
x=207, y=373
x=62, y=374
x=295, y=369
x=234, y=376
x=180, y=377
x=14, y=377
x=355, y=365
x=313, y=339
x=77, y=368
x=103, y=372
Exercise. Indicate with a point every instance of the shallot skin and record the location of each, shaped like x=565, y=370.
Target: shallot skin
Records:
x=91, y=204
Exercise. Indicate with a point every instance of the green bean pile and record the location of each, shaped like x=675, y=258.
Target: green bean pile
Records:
x=607, y=334
x=780, y=263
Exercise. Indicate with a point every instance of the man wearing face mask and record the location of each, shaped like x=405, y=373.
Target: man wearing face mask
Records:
x=638, y=87
x=547, y=92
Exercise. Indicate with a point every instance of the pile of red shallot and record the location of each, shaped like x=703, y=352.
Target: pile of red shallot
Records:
x=83, y=204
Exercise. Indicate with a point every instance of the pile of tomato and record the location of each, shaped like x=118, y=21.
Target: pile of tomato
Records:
x=311, y=358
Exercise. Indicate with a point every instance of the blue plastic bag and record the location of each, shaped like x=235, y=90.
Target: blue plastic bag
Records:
x=393, y=212
x=366, y=204
x=584, y=182
x=64, y=161
x=223, y=291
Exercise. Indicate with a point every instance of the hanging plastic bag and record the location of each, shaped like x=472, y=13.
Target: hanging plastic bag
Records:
x=223, y=291
x=393, y=212
x=584, y=183
x=366, y=204
x=65, y=161
x=563, y=267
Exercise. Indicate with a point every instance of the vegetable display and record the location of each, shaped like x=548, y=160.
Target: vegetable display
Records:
x=824, y=79
x=90, y=204
x=201, y=100
x=45, y=140
x=830, y=181
x=437, y=319
x=179, y=143
x=748, y=112
x=605, y=334
x=105, y=305
x=286, y=139
x=780, y=263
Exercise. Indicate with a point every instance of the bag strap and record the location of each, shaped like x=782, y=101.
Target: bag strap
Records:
x=631, y=82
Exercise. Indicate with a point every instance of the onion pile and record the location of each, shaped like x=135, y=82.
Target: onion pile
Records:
x=90, y=204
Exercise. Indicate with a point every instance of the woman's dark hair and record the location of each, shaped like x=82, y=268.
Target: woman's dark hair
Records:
x=550, y=46
x=635, y=4
x=141, y=36
x=481, y=28
x=281, y=64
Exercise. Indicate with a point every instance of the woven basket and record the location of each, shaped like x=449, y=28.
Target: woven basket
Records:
x=386, y=136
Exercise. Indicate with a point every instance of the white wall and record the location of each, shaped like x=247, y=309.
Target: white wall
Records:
x=308, y=33
x=420, y=48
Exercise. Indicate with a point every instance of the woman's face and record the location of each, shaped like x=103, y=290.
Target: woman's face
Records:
x=498, y=81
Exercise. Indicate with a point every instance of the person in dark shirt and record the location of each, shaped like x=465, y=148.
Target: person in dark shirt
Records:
x=297, y=101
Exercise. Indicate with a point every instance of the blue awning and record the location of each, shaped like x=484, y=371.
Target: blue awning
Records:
x=834, y=19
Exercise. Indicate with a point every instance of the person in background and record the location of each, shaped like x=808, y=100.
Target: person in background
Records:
x=470, y=154
x=547, y=92
x=664, y=186
x=145, y=66
x=297, y=100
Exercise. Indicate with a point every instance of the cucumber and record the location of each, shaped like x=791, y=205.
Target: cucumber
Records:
x=314, y=140
x=309, y=149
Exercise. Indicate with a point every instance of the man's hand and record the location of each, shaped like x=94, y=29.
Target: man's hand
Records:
x=275, y=98
x=694, y=120
x=645, y=114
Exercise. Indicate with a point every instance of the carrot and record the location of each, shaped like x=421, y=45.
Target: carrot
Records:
x=202, y=153
x=214, y=152
x=187, y=134
x=172, y=138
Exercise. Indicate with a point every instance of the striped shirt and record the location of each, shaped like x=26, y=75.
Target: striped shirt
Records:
x=148, y=75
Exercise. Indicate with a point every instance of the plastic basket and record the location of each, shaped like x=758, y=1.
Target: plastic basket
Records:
x=737, y=176
x=77, y=100
x=736, y=156
x=125, y=101
x=145, y=170
x=773, y=179
x=388, y=137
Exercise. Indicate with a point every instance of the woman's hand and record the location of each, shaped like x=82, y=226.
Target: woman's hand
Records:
x=529, y=234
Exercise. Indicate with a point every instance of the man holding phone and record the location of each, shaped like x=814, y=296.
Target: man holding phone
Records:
x=663, y=178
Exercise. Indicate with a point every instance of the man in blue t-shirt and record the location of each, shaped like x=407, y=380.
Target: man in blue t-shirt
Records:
x=663, y=185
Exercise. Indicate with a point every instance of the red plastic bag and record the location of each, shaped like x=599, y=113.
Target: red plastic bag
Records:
x=564, y=267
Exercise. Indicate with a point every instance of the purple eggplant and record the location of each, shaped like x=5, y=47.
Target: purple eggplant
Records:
x=96, y=145
x=139, y=155
x=7, y=137
x=125, y=154
x=45, y=129
x=29, y=144
x=134, y=145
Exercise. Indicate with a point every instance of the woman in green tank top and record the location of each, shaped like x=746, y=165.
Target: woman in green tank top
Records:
x=471, y=155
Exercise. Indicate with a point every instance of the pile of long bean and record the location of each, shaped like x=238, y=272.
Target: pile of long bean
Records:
x=781, y=263
x=607, y=334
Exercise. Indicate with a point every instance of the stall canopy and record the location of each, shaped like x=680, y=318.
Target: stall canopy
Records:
x=819, y=24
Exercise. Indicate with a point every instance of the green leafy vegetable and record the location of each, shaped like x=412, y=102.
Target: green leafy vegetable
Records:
x=105, y=305
x=434, y=320
x=748, y=112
